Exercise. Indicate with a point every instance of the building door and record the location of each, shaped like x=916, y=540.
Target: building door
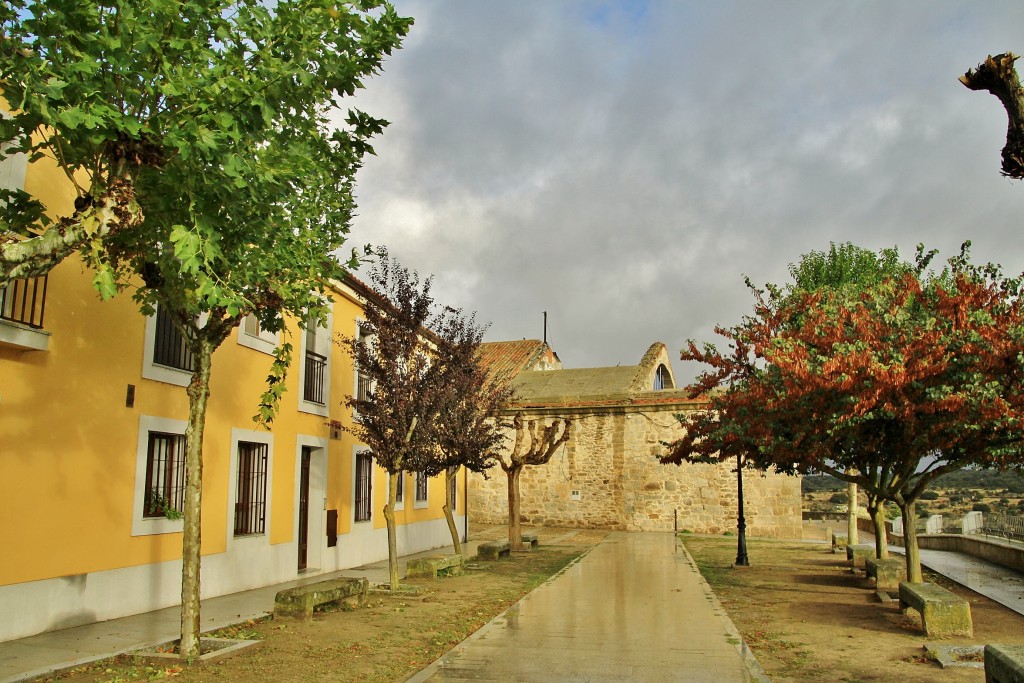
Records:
x=304, y=507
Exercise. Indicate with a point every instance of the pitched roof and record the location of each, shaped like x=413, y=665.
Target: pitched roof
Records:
x=509, y=358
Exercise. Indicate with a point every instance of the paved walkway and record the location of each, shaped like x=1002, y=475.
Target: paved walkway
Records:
x=633, y=609
x=994, y=581
x=37, y=655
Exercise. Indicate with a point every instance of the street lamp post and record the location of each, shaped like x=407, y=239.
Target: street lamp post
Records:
x=741, y=523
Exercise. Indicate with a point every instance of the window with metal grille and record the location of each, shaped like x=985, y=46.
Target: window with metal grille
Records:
x=401, y=487
x=24, y=301
x=364, y=486
x=315, y=370
x=251, y=492
x=364, y=384
x=451, y=484
x=165, y=475
x=169, y=347
x=421, y=487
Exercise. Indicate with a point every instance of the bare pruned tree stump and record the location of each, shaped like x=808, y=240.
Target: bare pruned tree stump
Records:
x=998, y=76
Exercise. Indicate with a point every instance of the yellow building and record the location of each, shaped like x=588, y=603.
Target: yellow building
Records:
x=92, y=421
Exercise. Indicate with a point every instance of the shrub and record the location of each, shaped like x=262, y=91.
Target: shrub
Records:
x=839, y=498
x=930, y=495
x=981, y=507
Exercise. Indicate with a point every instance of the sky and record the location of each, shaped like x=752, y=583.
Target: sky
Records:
x=623, y=165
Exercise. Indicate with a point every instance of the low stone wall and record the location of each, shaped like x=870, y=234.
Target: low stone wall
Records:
x=608, y=477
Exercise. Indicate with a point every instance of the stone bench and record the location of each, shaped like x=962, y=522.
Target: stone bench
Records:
x=1004, y=664
x=492, y=550
x=887, y=573
x=838, y=542
x=299, y=602
x=942, y=612
x=530, y=539
x=857, y=554
x=435, y=566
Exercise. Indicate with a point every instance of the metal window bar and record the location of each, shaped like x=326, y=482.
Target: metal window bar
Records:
x=452, y=496
x=421, y=486
x=1007, y=526
x=313, y=384
x=170, y=348
x=364, y=486
x=165, y=474
x=251, y=493
x=400, y=494
x=24, y=301
x=363, y=388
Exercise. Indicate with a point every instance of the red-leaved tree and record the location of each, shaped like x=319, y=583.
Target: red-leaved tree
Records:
x=889, y=385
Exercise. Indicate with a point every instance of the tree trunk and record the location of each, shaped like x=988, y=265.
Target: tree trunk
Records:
x=851, y=518
x=450, y=481
x=877, y=513
x=909, y=515
x=389, y=517
x=198, y=395
x=515, y=533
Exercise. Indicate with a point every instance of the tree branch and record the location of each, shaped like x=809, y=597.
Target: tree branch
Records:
x=998, y=76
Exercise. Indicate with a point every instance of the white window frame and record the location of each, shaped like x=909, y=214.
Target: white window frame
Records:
x=323, y=347
x=238, y=435
x=146, y=526
x=400, y=504
x=12, y=177
x=154, y=371
x=264, y=342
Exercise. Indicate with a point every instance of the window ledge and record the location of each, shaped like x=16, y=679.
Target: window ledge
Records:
x=23, y=337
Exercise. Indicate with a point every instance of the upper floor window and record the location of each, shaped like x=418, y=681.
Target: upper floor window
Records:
x=24, y=301
x=252, y=335
x=169, y=347
x=315, y=371
x=364, y=385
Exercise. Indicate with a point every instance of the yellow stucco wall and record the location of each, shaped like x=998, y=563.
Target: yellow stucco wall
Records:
x=68, y=443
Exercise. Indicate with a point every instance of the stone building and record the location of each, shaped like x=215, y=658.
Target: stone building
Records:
x=608, y=476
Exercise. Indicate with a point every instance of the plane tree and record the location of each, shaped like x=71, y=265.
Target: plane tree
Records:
x=888, y=385
x=211, y=177
x=535, y=444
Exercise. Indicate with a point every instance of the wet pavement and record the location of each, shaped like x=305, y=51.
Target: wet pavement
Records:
x=994, y=581
x=633, y=609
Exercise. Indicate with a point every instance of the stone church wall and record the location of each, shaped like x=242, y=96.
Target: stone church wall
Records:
x=608, y=476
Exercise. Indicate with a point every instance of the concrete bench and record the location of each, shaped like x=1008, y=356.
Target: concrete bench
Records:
x=857, y=554
x=1004, y=664
x=299, y=602
x=492, y=550
x=942, y=613
x=530, y=539
x=435, y=566
x=888, y=573
x=838, y=542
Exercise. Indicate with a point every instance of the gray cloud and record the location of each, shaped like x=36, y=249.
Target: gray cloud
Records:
x=623, y=165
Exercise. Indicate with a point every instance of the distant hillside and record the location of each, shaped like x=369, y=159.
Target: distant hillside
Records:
x=963, y=479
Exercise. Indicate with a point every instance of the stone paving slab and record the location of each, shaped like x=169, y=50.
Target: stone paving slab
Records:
x=635, y=608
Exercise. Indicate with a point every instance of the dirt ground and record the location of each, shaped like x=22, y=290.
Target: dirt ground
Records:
x=807, y=618
x=389, y=639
